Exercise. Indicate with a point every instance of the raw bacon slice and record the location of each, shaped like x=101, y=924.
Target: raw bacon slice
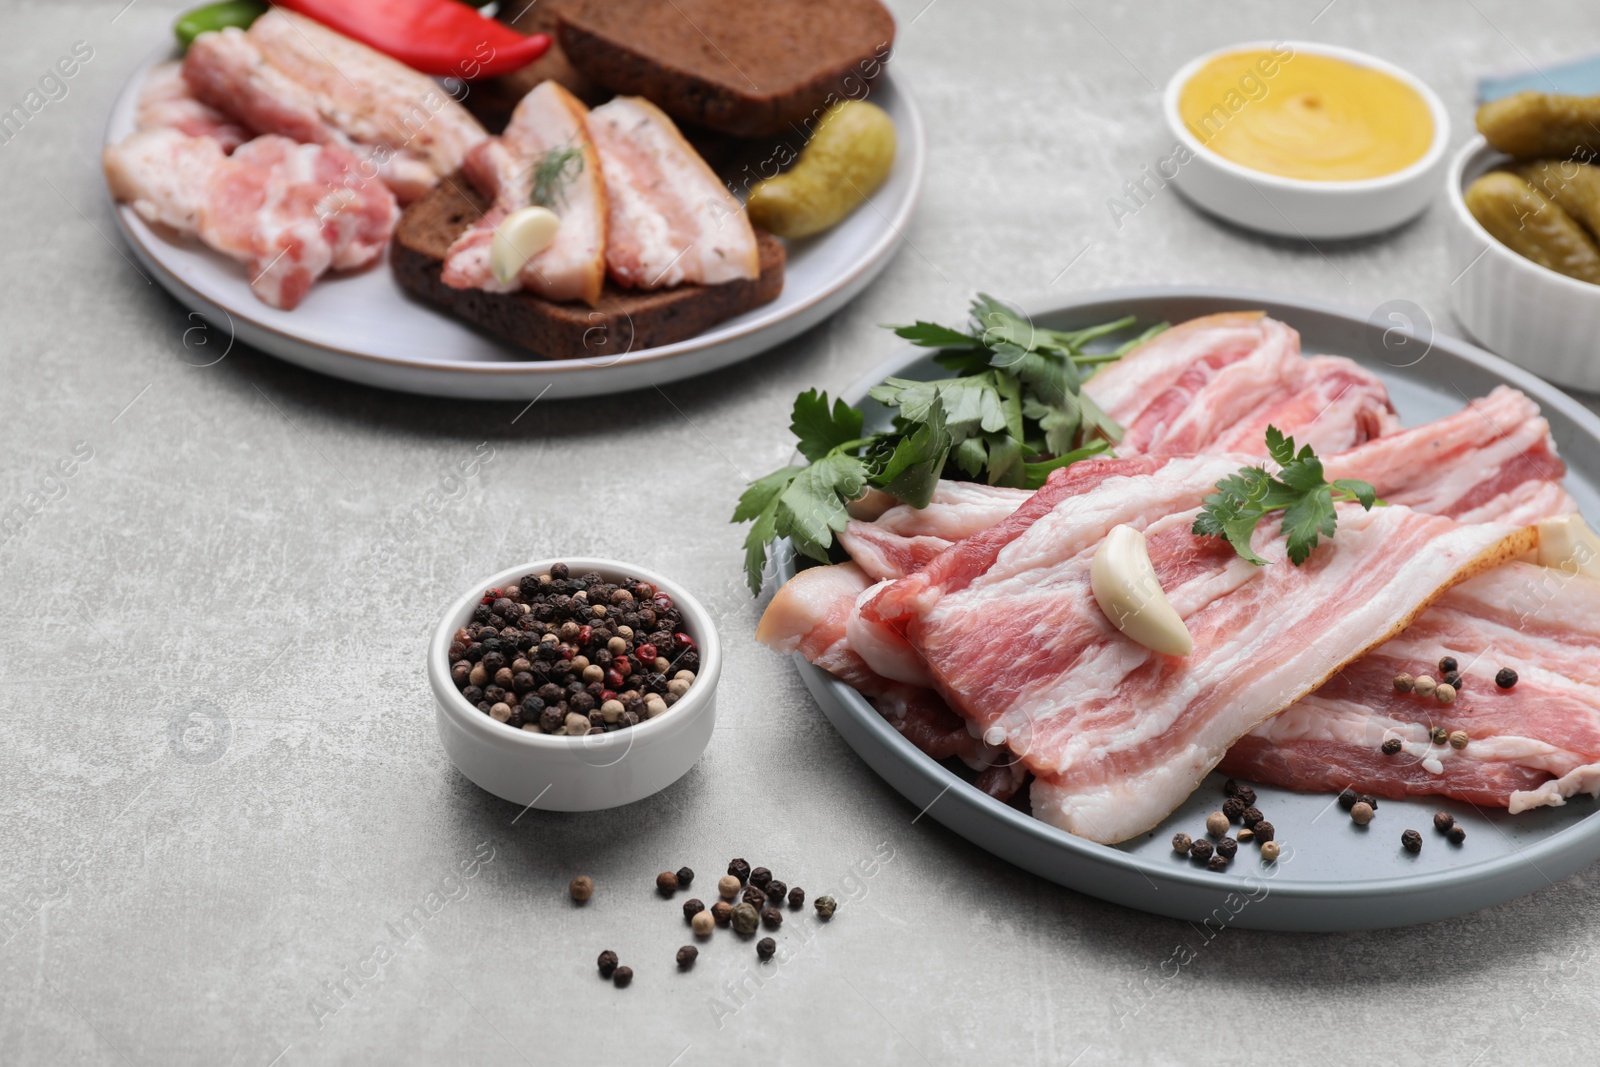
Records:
x=289, y=212
x=1532, y=745
x=810, y=614
x=372, y=98
x=1118, y=735
x=227, y=71
x=1495, y=460
x=1214, y=384
x=166, y=102
x=672, y=220
x=548, y=119
x=1331, y=403
x=904, y=539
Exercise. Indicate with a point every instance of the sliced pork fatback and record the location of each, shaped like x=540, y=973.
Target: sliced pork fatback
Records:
x=548, y=120
x=373, y=98
x=671, y=220
x=227, y=71
x=166, y=102
x=289, y=212
x=1119, y=735
x=1534, y=744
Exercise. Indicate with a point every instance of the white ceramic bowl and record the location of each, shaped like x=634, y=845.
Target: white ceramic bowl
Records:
x=1529, y=314
x=601, y=770
x=1293, y=207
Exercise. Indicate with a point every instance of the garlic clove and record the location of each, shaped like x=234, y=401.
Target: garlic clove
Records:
x=1125, y=586
x=1569, y=544
x=521, y=236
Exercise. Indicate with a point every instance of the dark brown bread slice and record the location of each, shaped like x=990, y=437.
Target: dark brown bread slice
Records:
x=624, y=321
x=735, y=66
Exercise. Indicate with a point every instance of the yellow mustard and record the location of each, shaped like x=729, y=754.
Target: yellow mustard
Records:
x=1308, y=116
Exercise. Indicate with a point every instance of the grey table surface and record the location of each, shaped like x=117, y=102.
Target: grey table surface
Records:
x=222, y=791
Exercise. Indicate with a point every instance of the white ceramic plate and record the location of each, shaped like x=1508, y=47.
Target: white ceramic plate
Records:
x=1333, y=874
x=364, y=328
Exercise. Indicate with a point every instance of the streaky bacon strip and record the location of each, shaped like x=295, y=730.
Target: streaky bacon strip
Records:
x=1493, y=461
x=1118, y=735
x=810, y=614
x=1532, y=745
x=1214, y=384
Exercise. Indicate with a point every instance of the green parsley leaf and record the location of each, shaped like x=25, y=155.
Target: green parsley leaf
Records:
x=819, y=430
x=1011, y=411
x=1299, y=490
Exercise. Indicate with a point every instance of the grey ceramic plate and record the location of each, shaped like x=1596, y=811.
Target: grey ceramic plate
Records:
x=1332, y=875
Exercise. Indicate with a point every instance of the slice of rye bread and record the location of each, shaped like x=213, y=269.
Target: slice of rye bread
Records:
x=742, y=68
x=625, y=320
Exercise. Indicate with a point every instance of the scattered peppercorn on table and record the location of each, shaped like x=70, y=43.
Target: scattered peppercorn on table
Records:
x=230, y=834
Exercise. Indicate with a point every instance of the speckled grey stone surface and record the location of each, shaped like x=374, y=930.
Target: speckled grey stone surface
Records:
x=283, y=876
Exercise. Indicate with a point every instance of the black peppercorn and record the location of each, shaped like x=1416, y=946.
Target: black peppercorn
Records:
x=1456, y=835
x=1442, y=821
x=775, y=891
x=760, y=877
x=1347, y=799
x=1452, y=679
x=474, y=694
x=1263, y=831
x=1200, y=849
x=1217, y=862
x=1505, y=678
x=1232, y=808
x=1368, y=799
x=739, y=869
x=797, y=897
x=1391, y=746
x=559, y=570
x=622, y=976
x=771, y=918
x=1411, y=841
x=551, y=720
x=692, y=907
x=1227, y=847
x=608, y=963
x=686, y=957
x=765, y=948
x=685, y=876
x=1247, y=795
x=1230, y=787
x=753, y=895
x=1251, y=816
x=1448, y=664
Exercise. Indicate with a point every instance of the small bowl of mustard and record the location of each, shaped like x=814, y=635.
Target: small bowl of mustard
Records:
x=1299, y=139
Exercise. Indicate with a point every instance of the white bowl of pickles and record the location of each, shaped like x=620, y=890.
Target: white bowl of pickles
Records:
x=1525, y=257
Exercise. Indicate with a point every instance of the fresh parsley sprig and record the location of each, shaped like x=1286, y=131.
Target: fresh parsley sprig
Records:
x=1299, y=490
x=1013, y=412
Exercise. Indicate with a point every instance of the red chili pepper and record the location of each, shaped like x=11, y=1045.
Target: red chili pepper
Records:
x=445, y=38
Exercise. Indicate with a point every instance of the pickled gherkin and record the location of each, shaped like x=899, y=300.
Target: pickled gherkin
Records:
x=845, y=162
x=1533, y=226
x=1531, y=125
x=1575, y=187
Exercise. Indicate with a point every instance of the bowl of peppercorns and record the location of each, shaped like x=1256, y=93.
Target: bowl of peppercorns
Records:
x=575, y=684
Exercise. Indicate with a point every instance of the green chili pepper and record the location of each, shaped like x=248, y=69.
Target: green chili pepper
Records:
x=240, y=13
